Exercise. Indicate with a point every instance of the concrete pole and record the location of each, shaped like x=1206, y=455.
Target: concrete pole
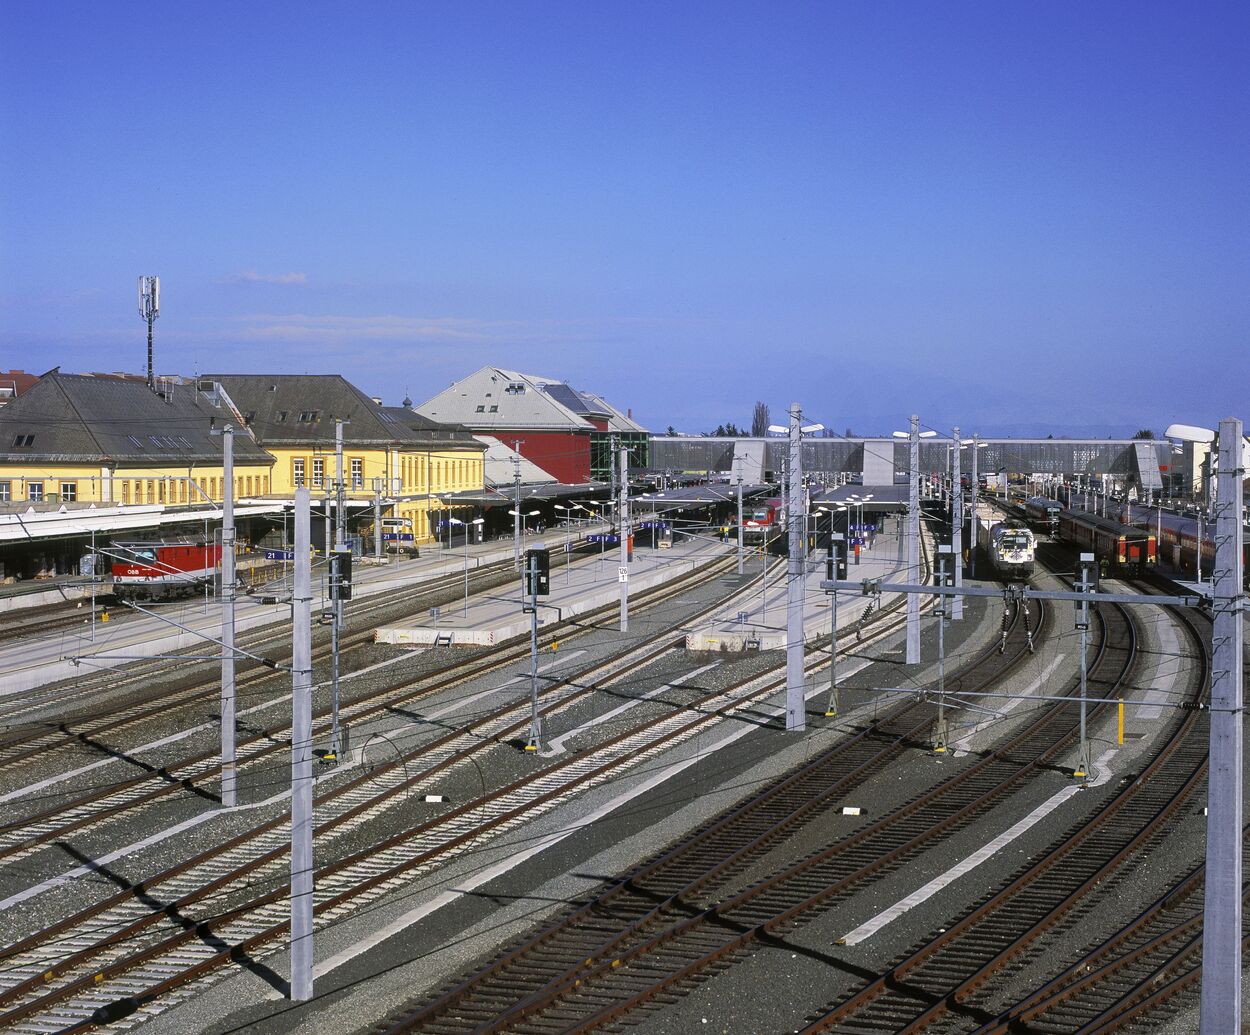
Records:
x=536, y=722
x=377, y=519
x=939, y=729
x=228, y=772
x=913, y=543
x=796, y=710
x=301, y=760
x=972, y=523
x=340, y=516
x=516, y=508
x=623, y=510
x=957, y=528
x=741, y=552
x=1221, y=932
x=1086, y=562
x=836, y=545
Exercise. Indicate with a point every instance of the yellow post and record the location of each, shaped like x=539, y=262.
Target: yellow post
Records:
x=1119, y=730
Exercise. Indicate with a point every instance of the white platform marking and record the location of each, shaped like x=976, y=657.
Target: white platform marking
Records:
x=871, y=927
x=411, y=917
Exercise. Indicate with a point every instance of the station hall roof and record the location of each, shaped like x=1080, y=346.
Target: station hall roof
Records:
x=76, y=418
x=301, y=409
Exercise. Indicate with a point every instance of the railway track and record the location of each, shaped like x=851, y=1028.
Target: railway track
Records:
x=21, y=744
x=574, y=977
x=95, y=979
x=944, y=984
x=22, y=837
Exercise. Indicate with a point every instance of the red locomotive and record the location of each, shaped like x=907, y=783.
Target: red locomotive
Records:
x=763, y=521
x=160, y=570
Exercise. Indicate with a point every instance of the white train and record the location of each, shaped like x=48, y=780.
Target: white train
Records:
x=1010, y=547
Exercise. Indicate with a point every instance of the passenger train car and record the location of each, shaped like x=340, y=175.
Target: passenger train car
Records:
x=1178, y=541
x=1119, y=549
x=1042, y=514
x=1010, y=547
x=160, y=570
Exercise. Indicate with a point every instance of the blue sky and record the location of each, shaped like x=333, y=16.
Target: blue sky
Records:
x=993, y=214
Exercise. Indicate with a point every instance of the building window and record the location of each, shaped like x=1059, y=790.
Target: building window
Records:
x=23, y=441
x=6, y=490
x=319, y=472
x=494, y=409
x=358, y=472
x=69, y=492
x=34, y=491
x=297, y=472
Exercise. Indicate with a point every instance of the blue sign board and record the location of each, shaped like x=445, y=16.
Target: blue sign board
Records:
x=863, y=528
x=279, y=555
x=397, y=537
x=603, y=537
x=661, y=525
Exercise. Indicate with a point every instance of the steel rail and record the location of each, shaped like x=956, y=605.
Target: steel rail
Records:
x=1043, y=894
x=712, y=854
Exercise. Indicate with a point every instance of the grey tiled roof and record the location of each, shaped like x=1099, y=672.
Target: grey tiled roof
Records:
x=430, y=434
x=300, y=409
x=71, y=418
x=492, y=399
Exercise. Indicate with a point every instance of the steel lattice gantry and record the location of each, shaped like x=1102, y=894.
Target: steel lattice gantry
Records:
x=1120, y=459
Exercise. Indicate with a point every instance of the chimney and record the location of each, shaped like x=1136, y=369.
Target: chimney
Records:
x=629, y=412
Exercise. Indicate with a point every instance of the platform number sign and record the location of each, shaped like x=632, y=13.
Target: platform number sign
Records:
x=622, y=574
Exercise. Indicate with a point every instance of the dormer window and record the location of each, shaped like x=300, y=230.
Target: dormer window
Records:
x=308, y=416
x=281, y=417
x=23, y=441
x=515, y=388
x=480, y=409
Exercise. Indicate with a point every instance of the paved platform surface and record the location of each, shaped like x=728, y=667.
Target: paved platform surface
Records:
x=762, y=626
x=586, y=585
x=37, y=661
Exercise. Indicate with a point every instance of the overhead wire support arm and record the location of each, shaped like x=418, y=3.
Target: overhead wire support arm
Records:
x=238, y=651
x=1026, y=593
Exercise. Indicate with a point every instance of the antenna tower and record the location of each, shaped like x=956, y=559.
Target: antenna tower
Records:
x=150, y=309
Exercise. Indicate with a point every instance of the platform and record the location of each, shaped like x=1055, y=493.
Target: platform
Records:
x=35, y=661
x=586, y=585
x=762, y=625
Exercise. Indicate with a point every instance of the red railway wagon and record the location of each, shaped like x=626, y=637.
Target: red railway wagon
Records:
x=160, y=570
x=1119, y=549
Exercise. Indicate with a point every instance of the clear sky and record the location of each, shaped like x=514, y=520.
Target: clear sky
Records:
x=994, y=214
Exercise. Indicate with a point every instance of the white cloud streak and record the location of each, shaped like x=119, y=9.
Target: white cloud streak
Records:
x=253, y=277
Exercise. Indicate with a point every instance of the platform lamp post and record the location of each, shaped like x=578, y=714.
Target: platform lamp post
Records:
x=568, y=552
x=467, y=525
x=913, y=535
x=796, y=522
